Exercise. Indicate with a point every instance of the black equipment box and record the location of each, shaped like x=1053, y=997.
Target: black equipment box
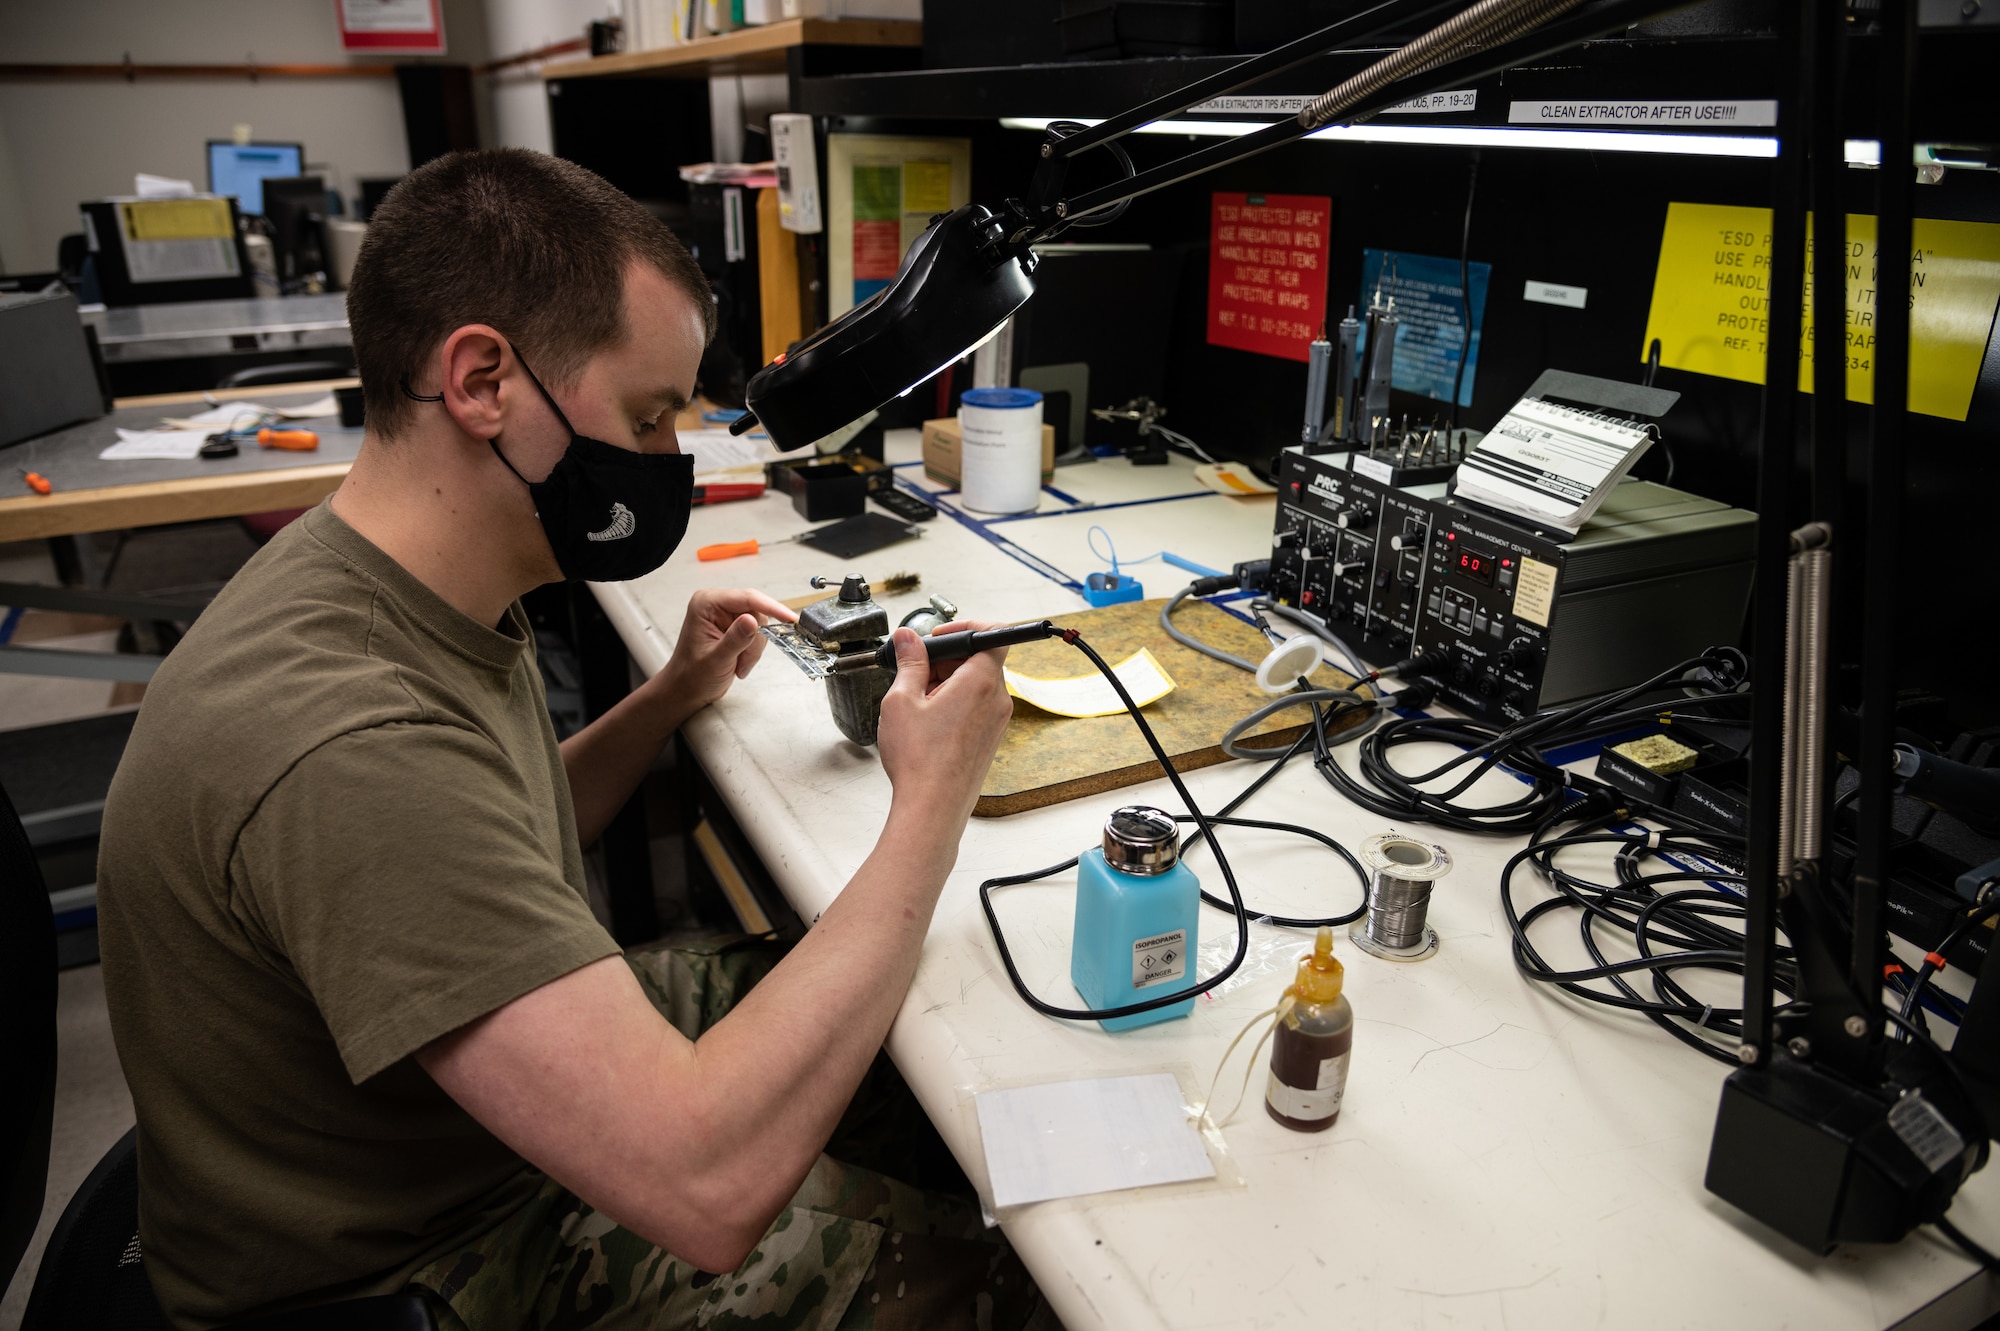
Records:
x=1518, y=620
x=47, y=376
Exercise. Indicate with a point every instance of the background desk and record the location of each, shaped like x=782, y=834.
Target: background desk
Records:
x=1504, y=1157
x=220, y=327
x=192, y=344
x=94, y=495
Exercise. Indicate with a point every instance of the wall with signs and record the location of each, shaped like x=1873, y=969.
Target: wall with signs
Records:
x=1574, y=244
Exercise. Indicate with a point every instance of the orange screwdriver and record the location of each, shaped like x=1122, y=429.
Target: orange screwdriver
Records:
x=37, y=482
x=296, y=441
x=734, y=548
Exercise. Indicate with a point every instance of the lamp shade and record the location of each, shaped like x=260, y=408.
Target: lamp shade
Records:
x=950, y=293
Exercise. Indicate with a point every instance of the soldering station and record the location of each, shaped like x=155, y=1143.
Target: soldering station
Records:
x=1589, y=606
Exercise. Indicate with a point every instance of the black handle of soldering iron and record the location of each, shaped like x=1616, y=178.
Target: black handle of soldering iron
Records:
x=949, y=646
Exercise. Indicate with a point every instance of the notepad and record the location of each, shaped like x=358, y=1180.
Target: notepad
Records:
x=1101, y=1134
x=1550, y=464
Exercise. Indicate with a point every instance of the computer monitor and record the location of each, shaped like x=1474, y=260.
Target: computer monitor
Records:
x=295, y=212
x=241, y=169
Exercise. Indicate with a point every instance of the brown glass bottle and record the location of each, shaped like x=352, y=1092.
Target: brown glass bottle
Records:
x=1309, y=1051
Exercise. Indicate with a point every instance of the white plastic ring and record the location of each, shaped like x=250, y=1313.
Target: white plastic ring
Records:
x=1288, y=663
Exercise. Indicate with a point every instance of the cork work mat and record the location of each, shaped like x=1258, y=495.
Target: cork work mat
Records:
x=1046, y=759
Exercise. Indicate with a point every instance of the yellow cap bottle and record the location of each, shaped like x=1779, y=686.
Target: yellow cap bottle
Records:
x=1309, y=1052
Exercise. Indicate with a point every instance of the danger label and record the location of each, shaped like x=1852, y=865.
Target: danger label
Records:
x=1159, y=958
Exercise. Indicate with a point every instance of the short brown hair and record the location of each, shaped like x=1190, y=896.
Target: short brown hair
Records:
x=533, y=245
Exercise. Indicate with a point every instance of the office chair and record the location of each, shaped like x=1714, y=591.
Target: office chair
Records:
x=28, y=1018
x=291, y=372
x=93, y=1273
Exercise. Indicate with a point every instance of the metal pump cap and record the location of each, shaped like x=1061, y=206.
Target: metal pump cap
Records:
x=1140, y=839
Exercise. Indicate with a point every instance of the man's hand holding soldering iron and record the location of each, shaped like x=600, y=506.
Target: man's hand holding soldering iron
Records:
x=941, y=723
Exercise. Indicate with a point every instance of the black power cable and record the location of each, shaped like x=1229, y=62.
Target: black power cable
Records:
x=1678, y=929
x=1934, y=960
x=1385, y=789
x=1464, y=292
x=1205, y=831
x=1207, y=825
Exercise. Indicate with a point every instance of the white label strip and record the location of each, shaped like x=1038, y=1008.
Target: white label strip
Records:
x=1459, y=99
x=1702, y=115
x=1375, y=470
x=1550, y=293
x=1252, y=106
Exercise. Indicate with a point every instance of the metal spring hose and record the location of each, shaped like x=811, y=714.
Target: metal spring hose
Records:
x=1487, y=23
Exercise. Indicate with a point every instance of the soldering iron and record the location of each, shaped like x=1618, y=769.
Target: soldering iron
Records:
x=946, y=646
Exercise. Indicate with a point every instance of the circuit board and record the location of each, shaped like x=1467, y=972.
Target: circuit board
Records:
x=816, y=662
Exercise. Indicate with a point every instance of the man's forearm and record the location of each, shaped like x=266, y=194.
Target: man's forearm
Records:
x=781, y=1068
x=606, y=760
x=698, y=1147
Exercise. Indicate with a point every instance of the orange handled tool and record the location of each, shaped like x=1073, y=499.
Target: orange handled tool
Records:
x=735, y=548
x=296, y=441
x=37, y=482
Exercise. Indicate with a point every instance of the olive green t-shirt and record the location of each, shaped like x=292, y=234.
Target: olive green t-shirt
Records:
x=341, y=829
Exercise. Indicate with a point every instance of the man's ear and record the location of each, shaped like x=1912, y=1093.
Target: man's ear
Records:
x=475, y=366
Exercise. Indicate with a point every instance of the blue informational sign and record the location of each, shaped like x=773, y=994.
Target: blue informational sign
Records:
x=1426, y=290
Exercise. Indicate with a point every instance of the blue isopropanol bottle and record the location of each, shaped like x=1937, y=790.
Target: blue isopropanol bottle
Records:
x=1135, y=918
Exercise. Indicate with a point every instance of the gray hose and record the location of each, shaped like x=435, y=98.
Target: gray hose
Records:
x=1195, y=644
x=1488, y=23
x=1300, y=699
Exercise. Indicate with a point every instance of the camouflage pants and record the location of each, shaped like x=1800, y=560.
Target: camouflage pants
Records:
x=855, y=1249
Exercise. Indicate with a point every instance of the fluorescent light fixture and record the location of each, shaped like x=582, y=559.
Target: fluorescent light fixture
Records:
x=1860, y=152
x=1470, y=136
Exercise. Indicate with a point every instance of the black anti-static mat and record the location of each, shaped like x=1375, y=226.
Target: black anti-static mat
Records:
x=852, y=537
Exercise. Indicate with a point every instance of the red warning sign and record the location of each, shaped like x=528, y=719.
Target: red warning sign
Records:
x=1267, y=272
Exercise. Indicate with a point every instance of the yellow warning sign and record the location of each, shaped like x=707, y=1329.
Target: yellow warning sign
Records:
x=1713, y=283
x=176, y=219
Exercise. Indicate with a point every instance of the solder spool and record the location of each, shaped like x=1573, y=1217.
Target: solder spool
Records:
x=1401, y=871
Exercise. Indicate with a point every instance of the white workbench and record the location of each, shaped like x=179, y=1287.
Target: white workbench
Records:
x=1505, y=1156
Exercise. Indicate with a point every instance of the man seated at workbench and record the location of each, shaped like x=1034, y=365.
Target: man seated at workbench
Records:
x=375, y=1038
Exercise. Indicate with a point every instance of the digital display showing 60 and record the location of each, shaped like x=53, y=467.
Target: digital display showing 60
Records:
x=1478, y=567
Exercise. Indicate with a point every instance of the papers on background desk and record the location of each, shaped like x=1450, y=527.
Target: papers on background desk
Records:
x=1092, y=695
x=1068, y=1138
x=132, y=445
x=229, y=415
x=716, y=452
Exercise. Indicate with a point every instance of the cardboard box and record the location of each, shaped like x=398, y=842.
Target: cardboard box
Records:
x=941, y=445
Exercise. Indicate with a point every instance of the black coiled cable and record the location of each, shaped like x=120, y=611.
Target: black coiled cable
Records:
x=1383, y=788
x=1205, y=825
x=1670, y=922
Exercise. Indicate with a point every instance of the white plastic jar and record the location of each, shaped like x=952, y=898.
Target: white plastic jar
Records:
x=1000, y=452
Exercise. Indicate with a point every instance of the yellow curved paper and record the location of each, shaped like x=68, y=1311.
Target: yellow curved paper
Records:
x=1092, y=695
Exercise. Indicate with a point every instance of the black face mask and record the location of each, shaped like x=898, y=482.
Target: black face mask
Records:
x=610, y=514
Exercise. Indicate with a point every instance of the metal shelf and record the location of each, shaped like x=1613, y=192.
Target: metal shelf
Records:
x=759, y=50
x=1734, y=69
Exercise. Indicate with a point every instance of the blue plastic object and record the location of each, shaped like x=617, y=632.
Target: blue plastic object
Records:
x=1111, y=589
x=1199, y=570
x=1135, y=938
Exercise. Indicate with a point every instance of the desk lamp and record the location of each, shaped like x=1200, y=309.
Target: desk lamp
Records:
x=972, y=269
